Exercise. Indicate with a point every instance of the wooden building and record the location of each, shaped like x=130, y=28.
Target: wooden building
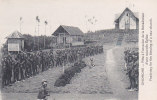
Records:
x=127, y=20
x=69, y=35
x=15, y=42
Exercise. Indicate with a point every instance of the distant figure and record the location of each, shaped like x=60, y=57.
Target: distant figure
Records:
x=92, y=62
x=43, y=92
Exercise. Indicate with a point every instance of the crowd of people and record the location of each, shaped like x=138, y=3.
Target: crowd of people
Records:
x=17, y=67
x=132, y=66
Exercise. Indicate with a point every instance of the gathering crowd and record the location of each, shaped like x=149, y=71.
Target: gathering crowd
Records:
x=132, y=65
x=17, y=67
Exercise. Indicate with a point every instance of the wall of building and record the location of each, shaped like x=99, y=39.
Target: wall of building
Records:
x=15, y=44
x=67, y=38
x=77, y=38
x=70, y=39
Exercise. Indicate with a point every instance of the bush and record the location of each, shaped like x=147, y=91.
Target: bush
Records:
x=60, y=82
x=69, y=73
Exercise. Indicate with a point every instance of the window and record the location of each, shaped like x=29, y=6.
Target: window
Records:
x=64, y=39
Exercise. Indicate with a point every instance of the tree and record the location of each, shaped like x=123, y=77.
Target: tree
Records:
x=28, y=42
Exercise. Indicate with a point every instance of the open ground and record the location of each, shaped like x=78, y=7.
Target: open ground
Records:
x=107, y=80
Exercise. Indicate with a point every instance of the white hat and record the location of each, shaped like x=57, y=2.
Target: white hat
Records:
x=44, y=81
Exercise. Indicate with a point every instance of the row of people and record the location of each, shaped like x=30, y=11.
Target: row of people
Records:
x=132, y=65
x=24, y=65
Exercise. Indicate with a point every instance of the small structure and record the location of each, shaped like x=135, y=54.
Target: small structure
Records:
x=69, y=35
x=15, y=42
x=127, y=20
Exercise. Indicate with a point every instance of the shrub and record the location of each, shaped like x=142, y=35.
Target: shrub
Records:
x=60, y=82
x=69, y=73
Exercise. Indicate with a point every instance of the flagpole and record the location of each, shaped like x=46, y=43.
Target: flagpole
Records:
x=45, y=34
x=38, y=20
x=34, y=39
x=38, y=35
x=20, y=23
x=20, y=26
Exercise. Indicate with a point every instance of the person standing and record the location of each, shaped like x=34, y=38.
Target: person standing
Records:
x=129, y=70
x=92, y=62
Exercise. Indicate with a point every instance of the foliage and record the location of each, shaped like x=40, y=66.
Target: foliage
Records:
x=33, y=43
x=69, y=73
x=37, y=42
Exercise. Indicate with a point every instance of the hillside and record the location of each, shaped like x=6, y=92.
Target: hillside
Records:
x=113, y=36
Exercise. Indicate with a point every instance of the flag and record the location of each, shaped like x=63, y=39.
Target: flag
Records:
x=89, y=20
x=37, y=18
x=46, y=22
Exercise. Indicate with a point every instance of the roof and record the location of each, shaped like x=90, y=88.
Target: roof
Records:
x=15, y=34
x=117, y=16
x=70, y=30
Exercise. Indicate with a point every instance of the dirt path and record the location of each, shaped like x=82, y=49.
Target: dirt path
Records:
x=116, y=75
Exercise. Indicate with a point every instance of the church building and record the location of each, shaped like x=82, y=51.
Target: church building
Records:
x=127, y=20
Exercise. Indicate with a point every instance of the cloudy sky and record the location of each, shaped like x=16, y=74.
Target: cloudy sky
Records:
x=60, y=12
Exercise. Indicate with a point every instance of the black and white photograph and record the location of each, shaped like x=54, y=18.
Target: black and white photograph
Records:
x=71, y=50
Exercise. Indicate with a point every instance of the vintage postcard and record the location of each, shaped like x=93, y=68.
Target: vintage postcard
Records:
x=78, y=50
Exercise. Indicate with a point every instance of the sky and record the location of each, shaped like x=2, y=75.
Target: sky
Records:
x=59, y=12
